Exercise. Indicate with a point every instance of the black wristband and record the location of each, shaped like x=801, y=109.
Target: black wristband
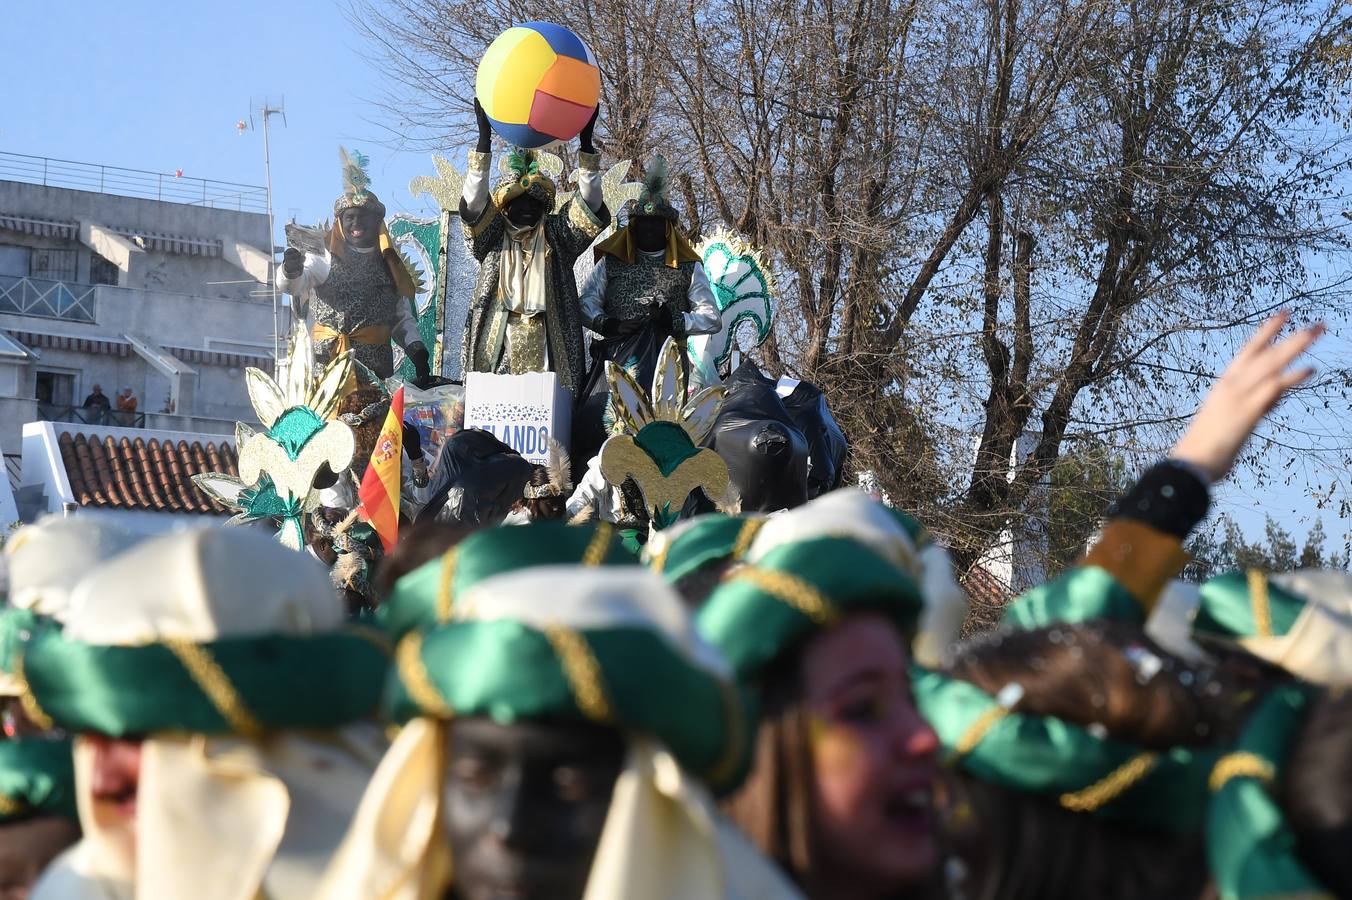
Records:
x=1169, y=497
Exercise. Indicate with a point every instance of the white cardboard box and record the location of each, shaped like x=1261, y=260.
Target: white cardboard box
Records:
x=522, y=411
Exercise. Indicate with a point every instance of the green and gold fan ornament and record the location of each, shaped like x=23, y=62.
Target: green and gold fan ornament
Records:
x=278, y=466
x=663, y=429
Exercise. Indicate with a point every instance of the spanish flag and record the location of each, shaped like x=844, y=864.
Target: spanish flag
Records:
x=379, y=492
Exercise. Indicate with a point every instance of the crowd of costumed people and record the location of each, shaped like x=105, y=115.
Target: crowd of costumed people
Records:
x=689, y=663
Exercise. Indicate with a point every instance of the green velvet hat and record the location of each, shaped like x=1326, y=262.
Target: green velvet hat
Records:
x=986, y=737
x=37, y=778
x=215, y=631
x=1250, y=846
x=1078, y=595
x=765, y=610
x=1238, y=605
x=689, y=546
x=896, y=537
x=1297, y=621
x=17, y=627
x=426, y=596
x=610, y=645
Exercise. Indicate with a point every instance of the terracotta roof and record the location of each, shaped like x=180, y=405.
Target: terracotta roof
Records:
x=988, y=595
x=152, y=475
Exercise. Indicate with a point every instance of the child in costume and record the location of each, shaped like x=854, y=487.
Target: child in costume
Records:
x=587, y=735
x=218, y=700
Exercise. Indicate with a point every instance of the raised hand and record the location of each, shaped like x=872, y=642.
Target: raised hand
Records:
x=485, y=143
x=1250, y=387
x=584, y=137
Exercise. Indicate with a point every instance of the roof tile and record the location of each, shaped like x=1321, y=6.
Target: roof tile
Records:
x=154, y=476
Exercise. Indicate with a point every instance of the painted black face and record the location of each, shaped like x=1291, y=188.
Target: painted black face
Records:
x=525, y=805
x=361, y=226
x=650, y=232
x=525, y=211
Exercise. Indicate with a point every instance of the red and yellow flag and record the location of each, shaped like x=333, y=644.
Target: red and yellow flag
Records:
x=379, y=492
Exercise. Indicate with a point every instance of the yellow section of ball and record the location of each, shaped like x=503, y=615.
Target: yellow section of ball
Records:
x=509, y=73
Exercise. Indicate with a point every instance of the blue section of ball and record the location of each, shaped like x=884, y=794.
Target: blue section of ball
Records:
x=520, y=135
x=561, y=40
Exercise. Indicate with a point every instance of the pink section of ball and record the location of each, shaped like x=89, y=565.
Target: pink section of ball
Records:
x=558, y=118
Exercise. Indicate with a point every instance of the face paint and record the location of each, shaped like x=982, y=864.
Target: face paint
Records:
x=361, y=227
x=834, y=748
x=525, y=806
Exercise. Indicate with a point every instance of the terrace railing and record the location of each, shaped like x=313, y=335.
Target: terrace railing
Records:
x=170, y=187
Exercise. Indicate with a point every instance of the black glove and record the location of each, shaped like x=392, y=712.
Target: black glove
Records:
x=611, y=327
x=584, y=138
x=485, y=142
x=422, y=363
x=293, y=262
x=412, y=442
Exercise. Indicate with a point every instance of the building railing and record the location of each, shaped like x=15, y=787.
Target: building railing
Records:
x=47, y=299
x=169, y=187
x=90, y=415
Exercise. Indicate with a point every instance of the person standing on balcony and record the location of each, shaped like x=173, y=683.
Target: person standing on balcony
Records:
x=126, y=401
x=97, y=399
x=357, y=296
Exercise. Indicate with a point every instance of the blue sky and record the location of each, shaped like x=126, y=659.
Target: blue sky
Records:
x=160, y=86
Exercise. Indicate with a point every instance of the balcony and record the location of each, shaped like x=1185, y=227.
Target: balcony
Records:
x=45, y=299
x=89, y=415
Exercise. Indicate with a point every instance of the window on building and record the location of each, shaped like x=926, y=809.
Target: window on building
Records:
x=14, y=260
x=102, y=271
x=56, y=388
x=53, y=264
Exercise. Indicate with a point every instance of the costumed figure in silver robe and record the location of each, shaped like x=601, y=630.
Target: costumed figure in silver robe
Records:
x=356, y=292
x=648, y=285
x=524, y=315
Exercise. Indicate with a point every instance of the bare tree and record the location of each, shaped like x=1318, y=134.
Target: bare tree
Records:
x=1002, y=226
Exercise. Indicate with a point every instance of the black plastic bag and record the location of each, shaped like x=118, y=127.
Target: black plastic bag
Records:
x=826, y=444
x=765, y=451
x=476, y=480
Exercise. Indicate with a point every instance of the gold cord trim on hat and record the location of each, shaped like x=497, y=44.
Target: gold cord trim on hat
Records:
x=444, y=586
x=11, y=807
x=747, y=534
x=373, y=636
x=1240, y=764
x=582, y=671
x=659, y=562
x=1258, y=599
x=1112, y=785
x=721, y=772
x=31, y=709
x=792, y=591
x=412, y=672
x=976, y=732
x=599, y=545
x=211, y=678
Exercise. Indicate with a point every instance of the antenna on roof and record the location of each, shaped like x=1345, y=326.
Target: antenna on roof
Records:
x=265, y=108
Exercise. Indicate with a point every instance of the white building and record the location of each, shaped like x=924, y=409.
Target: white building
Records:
x=121, y=278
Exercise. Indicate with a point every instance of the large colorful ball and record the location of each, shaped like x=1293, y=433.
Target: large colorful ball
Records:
x=538, y=83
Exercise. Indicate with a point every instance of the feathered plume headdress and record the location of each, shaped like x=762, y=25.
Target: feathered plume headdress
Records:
x=652, y=201
x=356, y=181
x=560, y=477
x=525, y=172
